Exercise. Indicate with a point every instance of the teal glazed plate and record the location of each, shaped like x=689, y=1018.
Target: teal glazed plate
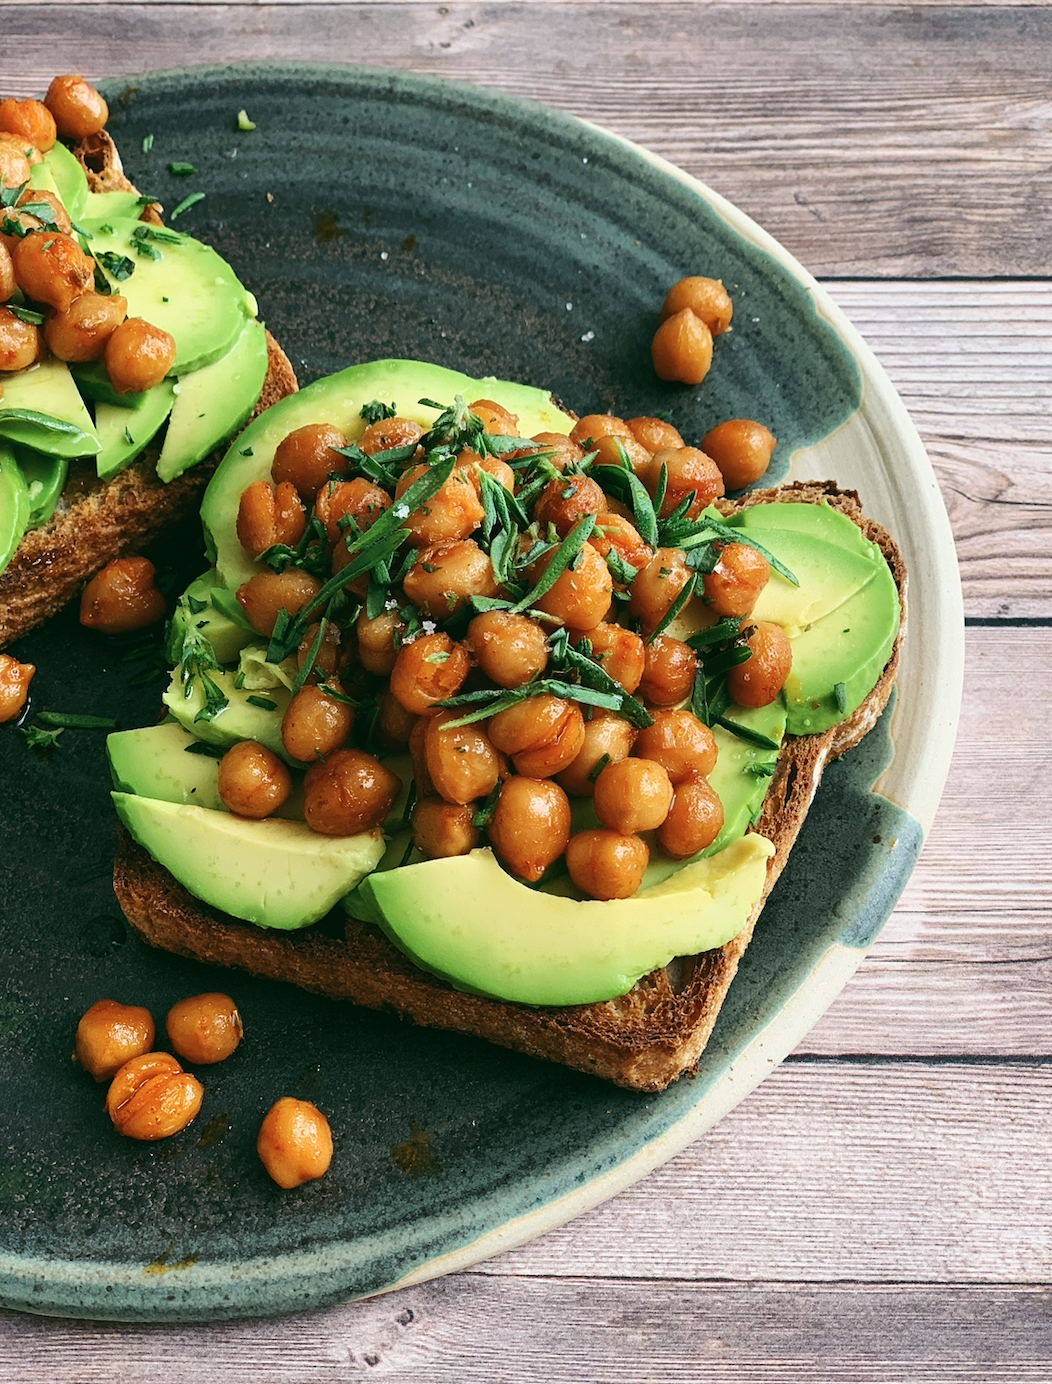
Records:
x=379, y=214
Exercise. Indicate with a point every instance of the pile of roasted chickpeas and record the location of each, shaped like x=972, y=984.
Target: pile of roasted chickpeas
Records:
x=43, y=259
x=151, y=1097
x=649, y=785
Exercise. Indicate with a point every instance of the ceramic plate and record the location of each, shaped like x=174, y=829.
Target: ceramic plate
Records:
x=378, y=214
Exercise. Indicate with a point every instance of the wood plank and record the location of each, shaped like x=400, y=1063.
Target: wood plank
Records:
x=870, y=139
x=476, y=1329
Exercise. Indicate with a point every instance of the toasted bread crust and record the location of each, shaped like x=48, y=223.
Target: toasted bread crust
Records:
x=643, y=1040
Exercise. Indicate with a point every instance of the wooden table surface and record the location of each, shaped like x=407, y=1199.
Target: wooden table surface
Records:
x=880, y=1209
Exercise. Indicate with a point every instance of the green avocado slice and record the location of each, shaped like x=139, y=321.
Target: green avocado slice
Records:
x=41, y=408
x=226, y=630
x=124, y=432
x=241, y=718
x=44, y=476
x=273, y=873
x=60, y=172
x=14, y=504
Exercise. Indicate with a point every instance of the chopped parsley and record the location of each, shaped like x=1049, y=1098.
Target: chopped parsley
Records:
x=186, y=204
x=181, y=170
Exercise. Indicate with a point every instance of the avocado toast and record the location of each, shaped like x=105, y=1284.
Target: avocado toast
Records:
x=643, y=1036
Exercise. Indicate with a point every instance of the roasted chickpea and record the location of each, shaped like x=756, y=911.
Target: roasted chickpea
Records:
x=267, y=515
x=530, y=826
x=612, y=448
x=442, y=829
x=349, y=792
x=359, y=498
x=706, y=298
x=607, y=864
x=566, y=499
x=14, y=165
x=428, y=670
x=453, y=512
x=657, y=586
x=138, y=355
x=294, y=1142
x=30, y=120
x=668, y=676
x=446, y=575
x=81, y=332
x=655, y=434
x=734, y=585
x=682, y=349
x=327, y=659
x=418, y=755
x=562, y=451
x=59, y=219
x=204, y=1028
x=614, y=531
x=581, y=595
x=632, y=795
x=19, y=341
x=379, y=641
x=688, y=472
x=314, y=724
x=253, y=782
x=758, y=681
x=542, y=734
x=15, y=678
x=51, y=268
x=110, y=1034
x=389, y=432
x=496, y=419
x=267, y=593
x=510, y=649
x=307, y=457
x=607, y=738
x=680, y=743
x=151, y=1097
x=78, y=108
x=122, y=597
x=741, y=449
x=593, y=426
x=694, y=820
x=471, y=464
x=461, y=762
x=8, y=283
x=619, y=652
x=394, y=723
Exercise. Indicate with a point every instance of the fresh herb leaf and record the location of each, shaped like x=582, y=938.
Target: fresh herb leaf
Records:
x=72, y=720
x=181, y=170
x=119, y=267
x=186, y=204
x=840, y=696
x=264, y=703
x=481, y=818
x=718, y=633
x=674, y=609
x=377, y=412
x=598, y=767
x=199, y=747
x=559, y=561
x=147, y=144
x=752, y=737
x=35, y=319
x=36, y=739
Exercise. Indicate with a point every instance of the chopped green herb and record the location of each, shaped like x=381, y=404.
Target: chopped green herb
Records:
x=181, y=170
x=264, y=703
x=73, y=721
x=128, y=437
x=481, y=819
x=119, y=267
x=247, y=452
x=37, y=739
x=674, y=609
x=752, y=737
x=186, y=204
x=377, y=412
x=196, y=606
x=199, y=747
x=35, y=319
x=840, y=696
x=147, y=144
x=598, y=767
x=243, y=123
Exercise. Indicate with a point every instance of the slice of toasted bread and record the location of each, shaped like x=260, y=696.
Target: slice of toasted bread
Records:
x=643, y=1040
x=94, y=521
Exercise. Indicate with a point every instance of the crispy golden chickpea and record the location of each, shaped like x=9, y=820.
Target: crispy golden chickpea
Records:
x=122, y=597
x=78, y=108
x=612, y=447
x=758, y=681
x=389, y=432
x=442, y=829
x=8, y=283
x=530, y=826
x=51, y=268
x=593, y=426
x=307, y=457
x=471, y=464
x=268, y=514
x=461, y=763
x=294, y=1142
x=543, y=734
x=30, y=120
x=510, y=649
x=632, y=795
x=734, y=585
x=682, y=349
x=607, y=864
x=618, y=651
x=428, y=670
x=565, y=500
x=379, y=641
x=694, y=820
x=14, y=166
x=705, y=298
x=81, y=332
x=607, y=738
x=351, y=791
x=60, y=220
x=19, y=341
x=688, y=472
x=616, y=532
x=359, y=498
x=582, y=593
x=562, y=451
x=445, y=576
x=327, y=659
x=496, y=419
x=394, y=723
x=253, y=782
x=262, y=596
x=655, y=434
x=110, y=1034
x=151, y=1097
x=741, y=449
x=680, y=743
x=314, y=725
x=453, y=512
x=668, y=676
x=15, y=678
x=138, y=355
x=657, y=586
x=204, y=1028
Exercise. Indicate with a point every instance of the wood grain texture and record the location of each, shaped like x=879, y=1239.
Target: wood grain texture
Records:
x=870, y=139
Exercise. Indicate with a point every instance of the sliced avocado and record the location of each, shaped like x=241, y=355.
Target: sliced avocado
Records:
x=44, y=476
x=14, y=504
x=817, y=521
x=108, y=206
x=213, y=402
x=339, y=399
x=240, y=719
x=41, y=408
x=124, y=432
x=94, y=384
x=274, y=873
x=60, y=172
x=828, y=575
x=226, y=633
x=467, y=921
x=189, y=291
